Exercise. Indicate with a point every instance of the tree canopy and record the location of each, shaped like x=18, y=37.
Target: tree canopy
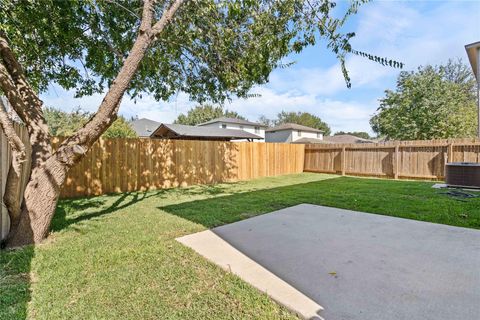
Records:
x=360, y=134
x=432, y=102
x=64, y=124
x=204, y=113
x=302, y=118
x=213, y=49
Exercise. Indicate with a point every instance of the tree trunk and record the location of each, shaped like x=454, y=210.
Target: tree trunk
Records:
x=49, y=171
x=39, y=203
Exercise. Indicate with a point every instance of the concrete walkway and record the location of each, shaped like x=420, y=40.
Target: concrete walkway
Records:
x=364, y=266
x=217, y=250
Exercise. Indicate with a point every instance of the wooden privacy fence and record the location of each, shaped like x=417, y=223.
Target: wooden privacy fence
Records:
x=5, y=159
x=401, y=159
x=120, y=165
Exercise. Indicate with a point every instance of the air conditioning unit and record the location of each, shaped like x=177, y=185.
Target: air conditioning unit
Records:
x=462, y=174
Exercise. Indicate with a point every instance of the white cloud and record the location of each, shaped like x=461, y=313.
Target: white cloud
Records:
x=160, y=111
x=59, y=98
x=146, y=107
x=403, y=31
x=318, y=81
x=418, y=33
x=340, y=115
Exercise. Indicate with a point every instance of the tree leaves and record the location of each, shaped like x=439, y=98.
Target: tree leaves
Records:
x=64, y=124
x=204, y=113
x=213, y=49
x=360, y=134
x=302, y=118
x=433, y=102
x=380, y=60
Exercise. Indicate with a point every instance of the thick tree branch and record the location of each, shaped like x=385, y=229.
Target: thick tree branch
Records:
x=166, y=17
x=13, y=185
x=18, y=76
x=147, y=16
x=107, y=111
x=11, y=92
x=35, y=123
x=25, y=102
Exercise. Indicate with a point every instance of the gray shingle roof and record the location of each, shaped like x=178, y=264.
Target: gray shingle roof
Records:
x=206, y=132
x=292, y=126
x=233, y=120
x=145, y=127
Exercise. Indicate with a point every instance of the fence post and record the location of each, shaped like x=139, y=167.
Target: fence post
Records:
x=343, y=161
x=450, y=152
x=396, y=162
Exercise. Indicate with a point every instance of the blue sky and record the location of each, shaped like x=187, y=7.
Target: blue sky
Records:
x=414, y=32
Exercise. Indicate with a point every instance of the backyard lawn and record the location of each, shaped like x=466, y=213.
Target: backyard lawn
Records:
x=115, y=256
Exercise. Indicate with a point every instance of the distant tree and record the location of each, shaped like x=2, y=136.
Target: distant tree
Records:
x=61, y=123
x=204, y=113
x=264, y=120
x=120, y=128
x=360, y=134
x=64, y=124
x=303, y=118
x=433, y=102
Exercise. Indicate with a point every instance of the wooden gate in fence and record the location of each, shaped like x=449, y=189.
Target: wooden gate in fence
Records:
x=402, y=159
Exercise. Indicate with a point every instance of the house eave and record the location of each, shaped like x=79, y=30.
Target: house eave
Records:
x=472, y=53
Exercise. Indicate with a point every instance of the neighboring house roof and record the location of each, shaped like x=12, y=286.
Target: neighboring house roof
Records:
x=310, y=141
x=346, y=138
x=292, y=126
x=233, y=120
x=176, y=131
x=473, y=57
x=144, y=127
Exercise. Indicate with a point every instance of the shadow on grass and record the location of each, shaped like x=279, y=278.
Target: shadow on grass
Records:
x=68, y=210
x=73, y=211
x=15, y=265
x=15, y=280
x=213, y=212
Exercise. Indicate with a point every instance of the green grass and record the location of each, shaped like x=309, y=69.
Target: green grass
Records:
x=115, y=256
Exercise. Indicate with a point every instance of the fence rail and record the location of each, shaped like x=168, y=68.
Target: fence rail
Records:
x=401, y=159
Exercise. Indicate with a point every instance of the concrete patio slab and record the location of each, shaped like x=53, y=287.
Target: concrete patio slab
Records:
x=215, y=249
x=365, y=266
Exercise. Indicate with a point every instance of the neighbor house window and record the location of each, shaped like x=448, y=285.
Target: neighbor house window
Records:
x=319, y=135
x=241, y=127
x=224, y=126
x=257, y=129
x=299, y=133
